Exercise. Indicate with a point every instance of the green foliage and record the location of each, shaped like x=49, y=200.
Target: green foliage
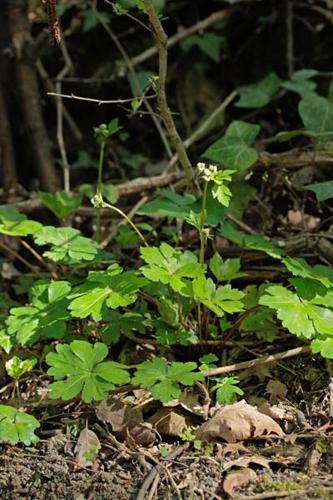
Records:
x=227, y=270
x=67, y=244
x=171, y=267
x=221, y=300
x=209, y=43
x=322, y=190
x=12, y=223
x=102, y=289
x=317, y=115
x=227, y=390
x=105, y=131
x=61, y=203
x=17, y=427
x=233, y=149
x=164, y=379
x=78, y=368
x=17, y=367
x=259, y=94
x=46, y=316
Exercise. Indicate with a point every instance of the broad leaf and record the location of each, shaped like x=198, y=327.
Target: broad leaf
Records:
x=225, y=270
x=12, y=223
x=221, y=300
x=164, y=379
x=233, y=149
x=67, y=244
x=322, y=190
x=16, y=426
x=60, y=203
x=79, y=368
x=317, y=115
x=258, y=94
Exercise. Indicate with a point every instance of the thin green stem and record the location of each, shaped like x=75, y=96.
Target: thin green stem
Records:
x=130, y=222
x=99, y=190
x=202, y=224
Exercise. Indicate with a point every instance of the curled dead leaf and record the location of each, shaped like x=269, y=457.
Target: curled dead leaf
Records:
x=237, y=479
x=86, y=448
x=238, y=422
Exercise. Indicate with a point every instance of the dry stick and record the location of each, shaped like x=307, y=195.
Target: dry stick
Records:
x=49, y=87
x=60, y=115
x=99, y=101
x=290, y=37
x=182, y=33
x=134, y=75
x=204, y=126
x=161, y=42
x=263, y=360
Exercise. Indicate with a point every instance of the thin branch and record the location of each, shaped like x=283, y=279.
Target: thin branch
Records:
x=161, y=43
x=99, y=101
x=263, y=360
x=181, y=35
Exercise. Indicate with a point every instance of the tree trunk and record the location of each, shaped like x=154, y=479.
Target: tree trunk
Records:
x=29, y=96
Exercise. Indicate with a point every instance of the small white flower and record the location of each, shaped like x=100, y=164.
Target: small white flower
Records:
x=201, y=166
x=213, y=169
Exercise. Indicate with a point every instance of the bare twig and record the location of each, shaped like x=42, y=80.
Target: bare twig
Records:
x=161, y=43
x=99, y=101
x=263, y=360
x=205, y=125
x=290, y=37
x=180, y=35
x=60, y=115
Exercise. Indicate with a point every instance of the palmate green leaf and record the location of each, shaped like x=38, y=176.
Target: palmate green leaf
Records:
x=78, y=368
x=164, y=379
x=221, y=300
x=319, y=273
x=118, y=324
x=46, y=316
x=304, y=318
x=170, y=266
x=258, y=94
x=105, y=289
x=17, y=427
x=170, y=204
x=233, y=149
x=60, y=203
x=67, y=244
x=12, y=223
x=323, y=346
x=227, y=390
x=16, y=367
x=227, y=270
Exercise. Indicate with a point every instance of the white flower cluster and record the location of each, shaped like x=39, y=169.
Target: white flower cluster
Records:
x=206, y=171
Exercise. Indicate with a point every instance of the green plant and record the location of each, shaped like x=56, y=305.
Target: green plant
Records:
x=17, y=426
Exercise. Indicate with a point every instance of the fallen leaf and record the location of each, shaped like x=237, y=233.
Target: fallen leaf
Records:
x=86, y=448
x=170, y=422
x=246, y=461
x=237, y=479
x=224, y=449
x=276, y=389
x=238, y=422
x=140, y=434
x=118, y=414
x=276, y=412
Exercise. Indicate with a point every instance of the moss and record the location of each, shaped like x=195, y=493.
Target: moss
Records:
x=270, y=484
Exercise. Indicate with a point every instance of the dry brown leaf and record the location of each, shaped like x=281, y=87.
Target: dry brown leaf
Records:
x=237, y=479
x=224, y=449
x=238, y=422
x=118, y=414
x=277, y=412
x=247, y=460
x=171, y=422
x=140, y=434
x=86, y=448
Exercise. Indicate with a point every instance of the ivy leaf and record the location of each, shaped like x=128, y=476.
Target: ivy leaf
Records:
x=164, y=379
x=209, y=43
x=17, y=426
x=233, y=149
x=79, y=368
x=12, y=223
x=170, y=266
x=61, y=203
x=112, y=288
x=45, y=316
x=67, y=244
x=259, y=94
x=221, y=300
x=317, y=115
x=322, y=190
x=227, y=270
x=227, y=390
